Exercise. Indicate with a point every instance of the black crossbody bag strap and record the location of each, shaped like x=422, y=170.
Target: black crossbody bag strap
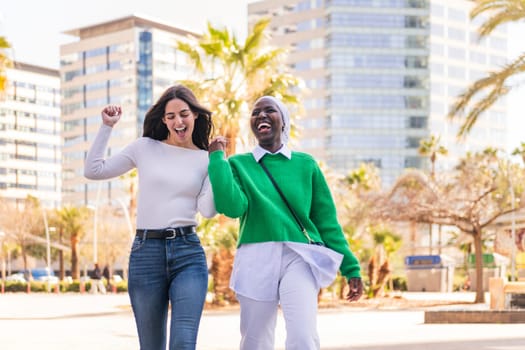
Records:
x=301, y=226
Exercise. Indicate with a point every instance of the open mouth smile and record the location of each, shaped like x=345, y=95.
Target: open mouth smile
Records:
x=181, y=129
x=264, y=127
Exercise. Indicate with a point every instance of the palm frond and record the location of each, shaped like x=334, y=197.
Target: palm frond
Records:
x=481, y=106
x=4, y=44
x=496, y=83
x=193, y=54
x=243, y=73
x=262, y=60
x=257, y=34
x=499, y=12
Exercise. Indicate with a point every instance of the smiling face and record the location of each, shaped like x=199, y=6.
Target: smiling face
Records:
x=180, y=121
x=267, y=124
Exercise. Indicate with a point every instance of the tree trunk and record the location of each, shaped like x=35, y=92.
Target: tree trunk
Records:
x=231, y=136
x=132, y=201
x=2, y=250
x=413, y=237
x=478, y=251
x=430, y=239
x=440, y=239
x=75, y=270
x=382, y=278
x=378, y=272
x=61, y=272
x=221, y=269
x=24, y=256
x=372, y=274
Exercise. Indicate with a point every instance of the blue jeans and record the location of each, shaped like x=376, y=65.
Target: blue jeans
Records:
x=164, y=271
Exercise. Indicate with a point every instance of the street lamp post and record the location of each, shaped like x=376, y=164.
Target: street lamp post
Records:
x=513, y=223
x=513, y=234
x=48, y=249
x=95, y=233
x=95, y=223
x=48, y=243
x=128, y=218
x=95, y=236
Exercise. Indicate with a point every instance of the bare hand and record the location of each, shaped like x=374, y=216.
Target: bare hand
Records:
x=355, y=286
x=218, y=144
x=111, y=114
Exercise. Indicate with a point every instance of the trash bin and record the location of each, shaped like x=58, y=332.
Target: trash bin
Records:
x=429, y=273
x=494, y=265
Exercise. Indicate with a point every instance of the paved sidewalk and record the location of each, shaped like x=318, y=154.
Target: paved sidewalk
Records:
x=78, y=322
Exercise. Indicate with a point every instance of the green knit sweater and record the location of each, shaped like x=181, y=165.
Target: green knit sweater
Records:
x=242, y=190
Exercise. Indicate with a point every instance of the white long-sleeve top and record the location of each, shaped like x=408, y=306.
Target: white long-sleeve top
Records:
x=173, y=181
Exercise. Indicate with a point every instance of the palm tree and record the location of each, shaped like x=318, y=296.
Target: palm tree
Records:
x=5, y=62
x=483, y=93
x=386, y=243
x=55, y=220
x=73, y=221
x=520, y=151
x=365, y=178
x=431, y=148
x=231, y=76
x=219, y=237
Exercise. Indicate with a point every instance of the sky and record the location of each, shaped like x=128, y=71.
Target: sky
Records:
x=35, y=30
x=35, y=27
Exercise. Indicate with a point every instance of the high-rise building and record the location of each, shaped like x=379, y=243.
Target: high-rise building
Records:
x=30, y=142
x=128, y=61
x=381, y=75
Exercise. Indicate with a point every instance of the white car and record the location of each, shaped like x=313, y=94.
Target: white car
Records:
x=116, y=278
x=43, y=275
x=50, y=279
x=16, y=277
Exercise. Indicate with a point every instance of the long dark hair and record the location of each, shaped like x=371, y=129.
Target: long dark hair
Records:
x=156, y=129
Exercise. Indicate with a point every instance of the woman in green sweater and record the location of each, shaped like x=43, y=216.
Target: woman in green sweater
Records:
x=286, y=253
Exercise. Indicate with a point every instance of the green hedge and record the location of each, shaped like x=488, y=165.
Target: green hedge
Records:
x=63, y=287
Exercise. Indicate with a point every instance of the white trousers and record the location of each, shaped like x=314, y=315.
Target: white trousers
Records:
x=298, y=299
x=97, y=286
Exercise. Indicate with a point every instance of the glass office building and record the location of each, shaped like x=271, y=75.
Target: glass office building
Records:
x=128, y=61
x=380, y=76
x=30, y=142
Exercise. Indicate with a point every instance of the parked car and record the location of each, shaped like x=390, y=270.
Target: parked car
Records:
x=85, y=279
x=116, y=278
x=41, y=275
x=16, y=277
